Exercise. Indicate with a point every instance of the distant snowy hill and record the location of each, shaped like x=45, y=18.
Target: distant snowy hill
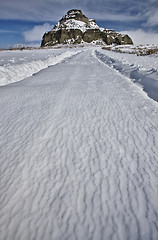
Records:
x=75, y=28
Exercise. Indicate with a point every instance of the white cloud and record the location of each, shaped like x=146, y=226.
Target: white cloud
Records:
x=118, y=17
x=40, y=10
x=141, y=37
x=8, y=31
x=152, y=18
x=52, y=10
x=37, y=32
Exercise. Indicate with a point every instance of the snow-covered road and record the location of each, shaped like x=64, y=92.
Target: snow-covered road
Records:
x=78, y=155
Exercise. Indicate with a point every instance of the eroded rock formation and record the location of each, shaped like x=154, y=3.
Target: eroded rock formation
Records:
x=76, y=28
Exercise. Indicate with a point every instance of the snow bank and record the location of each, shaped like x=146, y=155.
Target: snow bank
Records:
x=143, y=71
x=11, y=71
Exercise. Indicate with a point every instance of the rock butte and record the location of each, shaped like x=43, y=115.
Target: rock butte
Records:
x=76, y=28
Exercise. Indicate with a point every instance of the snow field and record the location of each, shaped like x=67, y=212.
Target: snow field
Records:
x=78, y=156
x=142, y=70
x=140, y=50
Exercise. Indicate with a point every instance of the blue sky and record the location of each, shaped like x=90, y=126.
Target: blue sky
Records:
x=24, y=22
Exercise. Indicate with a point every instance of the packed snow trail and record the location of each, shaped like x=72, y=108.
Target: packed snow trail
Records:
x=78, y=155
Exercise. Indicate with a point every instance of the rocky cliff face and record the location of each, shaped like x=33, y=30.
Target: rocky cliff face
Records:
x=76, y=28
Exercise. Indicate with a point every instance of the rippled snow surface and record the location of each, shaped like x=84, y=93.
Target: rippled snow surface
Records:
x=78, y=155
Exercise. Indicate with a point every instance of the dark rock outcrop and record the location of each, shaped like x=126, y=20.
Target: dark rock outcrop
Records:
x=76, y=28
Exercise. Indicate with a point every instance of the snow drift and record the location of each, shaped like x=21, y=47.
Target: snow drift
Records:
x=145, y=78
x=10, y=73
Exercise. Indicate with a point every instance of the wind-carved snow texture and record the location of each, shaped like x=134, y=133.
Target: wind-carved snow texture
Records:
x=78, y=155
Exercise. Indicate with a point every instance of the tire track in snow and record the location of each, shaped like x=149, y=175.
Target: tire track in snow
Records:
x=78, y=155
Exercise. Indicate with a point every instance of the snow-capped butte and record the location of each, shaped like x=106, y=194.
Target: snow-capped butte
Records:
x=74, y=19
x=76, y=28
x=76, y=24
